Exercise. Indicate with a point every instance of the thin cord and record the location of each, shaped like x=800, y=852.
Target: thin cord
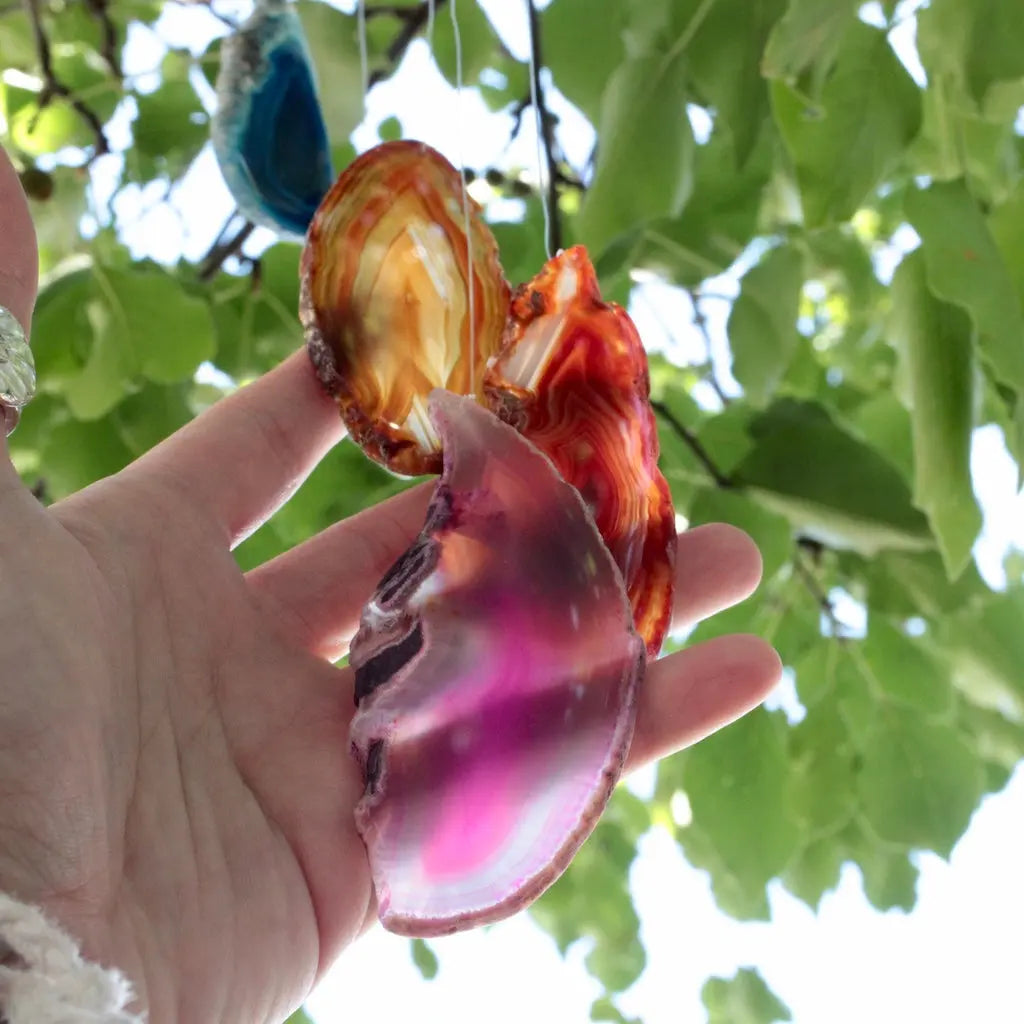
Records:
x=471, y=276
x=364, y=60
x=431, y=10
x=542, y=185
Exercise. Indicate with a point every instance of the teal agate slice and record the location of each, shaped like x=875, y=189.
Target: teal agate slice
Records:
x=268, y=132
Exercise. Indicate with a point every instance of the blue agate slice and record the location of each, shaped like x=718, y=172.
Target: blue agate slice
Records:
x=268, y=132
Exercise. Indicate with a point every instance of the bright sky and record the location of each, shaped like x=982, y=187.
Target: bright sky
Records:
x=956, y=958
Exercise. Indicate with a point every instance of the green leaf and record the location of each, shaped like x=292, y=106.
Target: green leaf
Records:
x=965, y=268
x=1006, y=225
x=37, y=130
x=889, y=876
x=808, y=33
x=869, y=111
x=987, y=646
x=583, y=80
x=982, y=39
x=821, y=796
x=762, y=323
x=75, y=455
x=829, y=485
x=170, y=129
x=726, y=44
x=425, y=959
x=905, y=584
x=605, y=1010
x=101, y=329
x=905, y=671
x=934, y=341
x=169, y=332
x=742, y=999
x=299, y=1017
x=919, y=782
x=478, y=44
x=814, y=871
x=720, y=219
x=736, y=781
x=645, y=150
x=882, y=422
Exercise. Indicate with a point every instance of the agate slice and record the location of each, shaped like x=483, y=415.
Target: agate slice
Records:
x=268, y=132
x=572, y=377
x=496, y=677
x=387, y=276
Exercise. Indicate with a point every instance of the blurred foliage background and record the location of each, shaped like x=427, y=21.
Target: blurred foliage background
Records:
x=845, y=227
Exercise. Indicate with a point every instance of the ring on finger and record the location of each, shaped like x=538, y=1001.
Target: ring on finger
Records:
x=17, y=369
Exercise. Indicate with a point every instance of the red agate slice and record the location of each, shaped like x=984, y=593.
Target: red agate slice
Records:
x=572, y=377
x=386, y=298
x=496, y=678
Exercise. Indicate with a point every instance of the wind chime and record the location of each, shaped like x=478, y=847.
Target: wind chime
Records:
x=497, y=665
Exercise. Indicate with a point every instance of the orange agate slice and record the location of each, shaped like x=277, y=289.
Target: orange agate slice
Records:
x=387, y=278
x=572, y=377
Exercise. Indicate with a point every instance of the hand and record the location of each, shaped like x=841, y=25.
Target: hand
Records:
x=175, y=782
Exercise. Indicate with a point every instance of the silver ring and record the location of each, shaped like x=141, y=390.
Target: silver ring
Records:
x=17, y=369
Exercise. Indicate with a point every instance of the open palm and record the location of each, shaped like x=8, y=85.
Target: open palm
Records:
x=175, y=782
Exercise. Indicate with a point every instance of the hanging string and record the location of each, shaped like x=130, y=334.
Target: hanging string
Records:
x=364, y=60
x=431, y=10
x=542, y=184
x=471, y=276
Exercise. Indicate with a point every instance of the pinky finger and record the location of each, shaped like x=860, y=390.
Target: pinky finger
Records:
x=691, y=693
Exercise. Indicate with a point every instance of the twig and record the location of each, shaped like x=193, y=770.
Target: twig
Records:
x=222, y=249
x=814, y=588
x=413, y=20
x=53, y=86
x=693, y=443
x=100, y=10
x=700, y=321
x=554, y=239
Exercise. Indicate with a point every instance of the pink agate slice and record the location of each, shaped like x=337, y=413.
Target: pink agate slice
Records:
x=496, y=680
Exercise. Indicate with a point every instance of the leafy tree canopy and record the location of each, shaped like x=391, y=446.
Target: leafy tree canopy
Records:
x=871, y=212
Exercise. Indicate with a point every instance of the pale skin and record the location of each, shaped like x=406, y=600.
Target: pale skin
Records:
x=175, y=782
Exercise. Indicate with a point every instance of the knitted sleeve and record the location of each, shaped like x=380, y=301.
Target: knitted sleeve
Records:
x=44, y=980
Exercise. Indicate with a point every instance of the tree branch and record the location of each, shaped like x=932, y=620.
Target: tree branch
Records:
x=100, y=10
x=700, y=321
x=224, y=248
x=413, y=21
x=693, y=442
x=554, y=239
x=814, y=588
x=54, y=87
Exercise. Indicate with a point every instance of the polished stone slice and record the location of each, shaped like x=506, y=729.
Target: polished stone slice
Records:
x=268, y=131
x=385, y=301
x=496, y=679
x=572, y=377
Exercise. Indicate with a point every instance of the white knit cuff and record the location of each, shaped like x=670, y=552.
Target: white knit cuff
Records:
x=44, y=980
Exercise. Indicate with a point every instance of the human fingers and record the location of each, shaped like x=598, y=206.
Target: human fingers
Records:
x=717, y=566
x=19, y=270
x=242, y=459
x=691, y=693
x=319, y=587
